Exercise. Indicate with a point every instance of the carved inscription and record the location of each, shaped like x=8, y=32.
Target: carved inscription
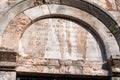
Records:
x=57, y=39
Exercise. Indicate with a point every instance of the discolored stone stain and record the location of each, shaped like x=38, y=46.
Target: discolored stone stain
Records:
x=5, y=3
x=11, y=1
x=109, y=5
x=64, y=40
x=93, y=68
x=117, y=4
x=35, y=38
x=69, y=44
x=81, y=37
x=14, y=31
x=59, y=35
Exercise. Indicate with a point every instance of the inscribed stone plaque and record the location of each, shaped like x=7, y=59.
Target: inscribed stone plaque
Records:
x=59, y=39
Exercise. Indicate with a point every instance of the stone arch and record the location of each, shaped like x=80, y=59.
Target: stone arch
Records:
x=61, y=8
x=87, y=6
x=79, y=16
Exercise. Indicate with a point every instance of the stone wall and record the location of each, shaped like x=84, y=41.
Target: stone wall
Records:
x=79, y=43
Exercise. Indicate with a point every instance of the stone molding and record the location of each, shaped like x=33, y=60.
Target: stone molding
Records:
x=7, y=59
x=115, y=65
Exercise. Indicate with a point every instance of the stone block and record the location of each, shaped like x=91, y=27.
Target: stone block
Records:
x=46, y=70
x=39, y=11
x=65, y=62
x=94, y=68
x=79, y=70
x=53, y=62
x=115, y=64
x=15, y=29
x=7, y=58
x=117, y=4
x=115, y=78
x=7, y=64
x=54, y=1
x=40, y=62
x=53, y=69
x=72, y=69
x=63, y=70
x=79, y=63
x=7, y=75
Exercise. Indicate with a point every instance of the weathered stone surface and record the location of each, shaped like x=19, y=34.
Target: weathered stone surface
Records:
x=14, y=30
x=2, y=49
x=115, y=64
x=106, y=4
x=41, y=10
x=10, y=13
x=7, y=75
x=7, y=58
x=117, y=4
x=54, y=1
x=5, y=3
x=65, y=66
x=115, y=78
x=100, y=28
x=64, y=10
x=49, y=66
x=65, y=62
x=46, y=38
x=77, y=67
x=26, y=66
x=116, y=15
x=4, y=64
x=93, y=53
x=94, y=68
x=53, y=62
